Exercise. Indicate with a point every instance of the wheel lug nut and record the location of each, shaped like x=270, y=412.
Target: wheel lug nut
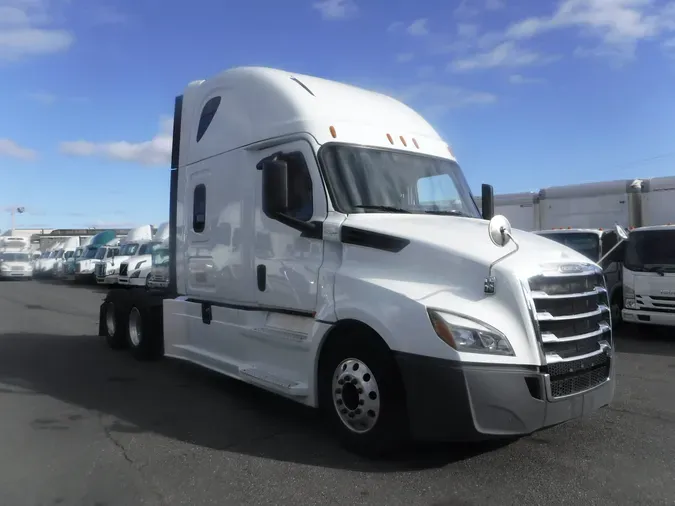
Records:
x=338, y=390
x=361, y=402
x=351, y=415
x=339, y=402
x=343, y=410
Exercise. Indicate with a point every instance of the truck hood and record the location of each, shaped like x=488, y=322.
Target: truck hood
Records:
x=468, y=239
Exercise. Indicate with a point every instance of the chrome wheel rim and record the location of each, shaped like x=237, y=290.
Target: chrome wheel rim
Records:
x=356, y=395
x=135, y=334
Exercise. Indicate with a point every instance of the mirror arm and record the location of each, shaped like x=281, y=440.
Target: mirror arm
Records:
x=312, y=229
x=610, y=251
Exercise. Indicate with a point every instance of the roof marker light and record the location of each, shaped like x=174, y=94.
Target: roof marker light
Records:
x=333, y=132
x=415, y=143
x=403, y=141
x=391, y=140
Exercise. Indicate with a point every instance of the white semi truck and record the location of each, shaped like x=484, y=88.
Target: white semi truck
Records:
x=84, y=266
x=111, y=258
x=135, y=270
x=332, y=284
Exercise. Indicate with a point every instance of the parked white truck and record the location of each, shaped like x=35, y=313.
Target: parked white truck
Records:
x=158, y=278
x=331, y=284
x=16, y=261
x=109, y=261
x=135, y=270
x=84, y=267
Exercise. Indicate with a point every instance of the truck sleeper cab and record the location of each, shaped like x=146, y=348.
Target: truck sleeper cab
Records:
x=649, y=276
x=324, y=245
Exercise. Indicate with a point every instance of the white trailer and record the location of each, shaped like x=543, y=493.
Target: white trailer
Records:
x=303, y=261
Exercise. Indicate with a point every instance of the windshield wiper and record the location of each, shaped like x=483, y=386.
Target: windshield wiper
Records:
x=389, y=209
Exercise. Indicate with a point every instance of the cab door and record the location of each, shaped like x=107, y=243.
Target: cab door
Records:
x=286, y=262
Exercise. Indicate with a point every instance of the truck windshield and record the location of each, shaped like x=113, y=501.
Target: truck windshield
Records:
x=379, y=180
x=91, y=253
x=160, y=256
x=100, y=254
x=78, y=253
x=129, y=250
x=652, y=250
x=15, y=257
x=587, y=244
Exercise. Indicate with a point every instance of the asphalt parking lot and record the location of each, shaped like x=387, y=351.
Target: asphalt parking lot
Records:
x=83, y=425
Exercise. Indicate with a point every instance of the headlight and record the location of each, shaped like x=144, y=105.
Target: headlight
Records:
x=135, y=274
x=4, y=267
x=629, y=297
x=469, y=336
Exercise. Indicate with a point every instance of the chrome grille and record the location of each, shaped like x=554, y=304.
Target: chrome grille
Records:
x=572, y=321
x=100, y=269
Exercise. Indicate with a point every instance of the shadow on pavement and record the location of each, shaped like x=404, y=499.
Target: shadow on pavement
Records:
x=186, y=403
x=647, y=341
x=63, y=282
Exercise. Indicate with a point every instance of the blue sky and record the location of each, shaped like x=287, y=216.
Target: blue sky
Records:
x=529, y=93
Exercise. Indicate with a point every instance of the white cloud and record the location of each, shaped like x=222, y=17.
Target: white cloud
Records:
x=26, y=30
x=440, y=98
x=520, y=79
x=619, y=24
x=506, y=54
x=395, y=26
x=156, y=151
x=336, y=9
x=494, y=5
x=404, y=57
x=50, y=98
x=418, y=27
x=12, y=149
x=42, y=97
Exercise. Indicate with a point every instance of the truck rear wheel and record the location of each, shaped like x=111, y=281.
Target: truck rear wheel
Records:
x=145, y=332
x=361, y=394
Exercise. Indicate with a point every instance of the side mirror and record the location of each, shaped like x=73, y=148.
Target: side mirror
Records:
x=499, y=230
x=617, y=252
x=275, y=198
x=623, y=235
x=487, y=201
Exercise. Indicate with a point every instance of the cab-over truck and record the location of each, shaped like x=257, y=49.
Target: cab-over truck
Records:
x=304, y=261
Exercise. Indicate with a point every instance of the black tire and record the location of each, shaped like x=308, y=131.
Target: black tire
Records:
x=144, y=324
x=114, y=316
x=390, y=431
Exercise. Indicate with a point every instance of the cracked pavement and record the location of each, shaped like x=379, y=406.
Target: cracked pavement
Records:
x=83, y=425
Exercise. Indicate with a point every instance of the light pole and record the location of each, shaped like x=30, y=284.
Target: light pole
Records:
x=15, y=210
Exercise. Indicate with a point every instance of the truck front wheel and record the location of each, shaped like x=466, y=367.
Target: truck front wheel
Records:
x=362, y=395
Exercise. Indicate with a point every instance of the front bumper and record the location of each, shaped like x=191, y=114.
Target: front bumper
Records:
x=450, y=401
x=16, y=274
x=107, y=280
x=648, y=317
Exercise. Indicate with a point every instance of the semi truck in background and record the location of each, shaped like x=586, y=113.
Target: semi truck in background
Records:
x=69, y=265
x=84, y=267
x=582, y=216
x=158, y=277
x=302, y=261
x=110, y=257
x=16, y=260
x=135, y=270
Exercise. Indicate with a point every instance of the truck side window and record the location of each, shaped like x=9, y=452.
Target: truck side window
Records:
x=206, y=117
x=300, y=187
x=199, y=209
